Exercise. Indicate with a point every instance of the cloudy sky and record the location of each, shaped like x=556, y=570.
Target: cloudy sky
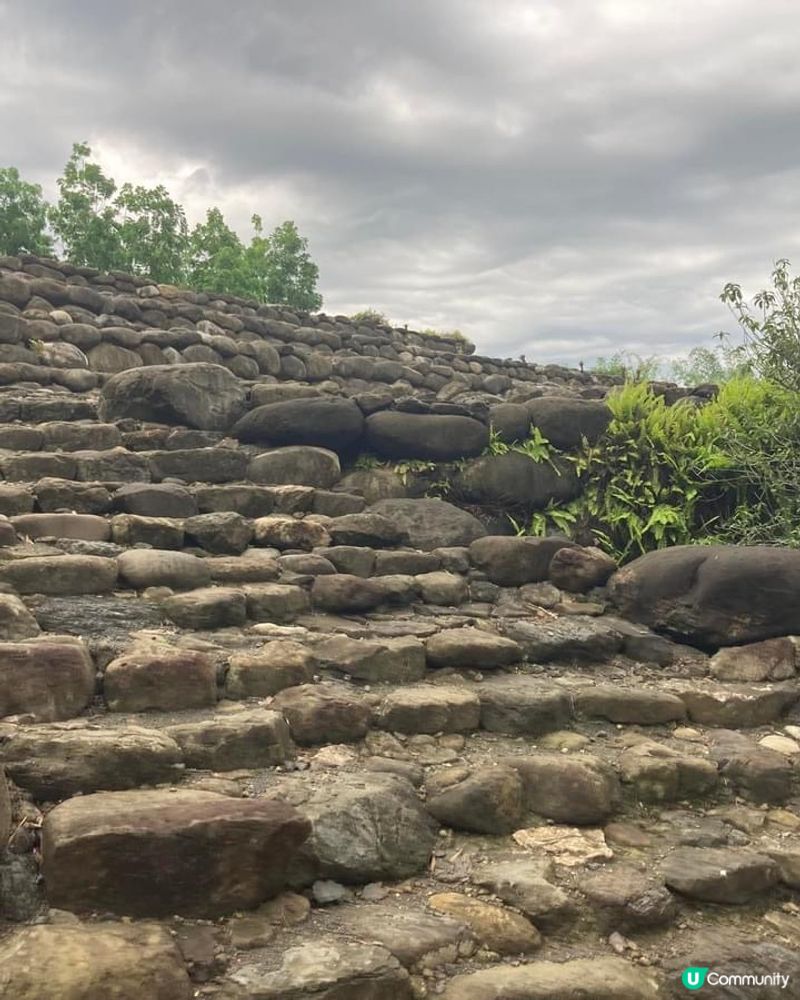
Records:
x=561, y=179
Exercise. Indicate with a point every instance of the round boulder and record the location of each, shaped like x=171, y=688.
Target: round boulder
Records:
x=440, y=437
x=326, y=422
x=204, y=396
x=565, y=420
x=713, y=595
x=298, y=465
x=516, y=480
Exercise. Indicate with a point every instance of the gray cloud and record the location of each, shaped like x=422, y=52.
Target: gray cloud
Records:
x=560, y=179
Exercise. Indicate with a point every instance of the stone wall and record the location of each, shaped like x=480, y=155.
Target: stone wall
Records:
x=77, y=344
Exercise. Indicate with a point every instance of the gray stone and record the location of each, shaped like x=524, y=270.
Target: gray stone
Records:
x=159, y=677
x=323, y=713
x=712, y=595
x=264, y=672
x=207, y=608
x=523, y=705
x=430, y=708
x=60, y=575
x=431, y=524
x=48, y=679
x=396, y=661
x=326, y=422
x=300, y=465
x=489, y=800
x=142, y=568
x=204, y=396
x=718, y=875
x=392, y=434
x=511, y=562
x=82, y=961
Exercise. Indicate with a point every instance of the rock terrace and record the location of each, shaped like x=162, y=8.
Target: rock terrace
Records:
x=275, y=724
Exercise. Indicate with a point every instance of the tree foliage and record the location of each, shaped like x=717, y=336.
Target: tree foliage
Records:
x=771, y=325
x=85, y=216
x=143, y=230
x=153, y=234
x=23, y=216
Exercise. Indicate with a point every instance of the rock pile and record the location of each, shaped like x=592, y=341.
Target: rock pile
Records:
x=272, y=727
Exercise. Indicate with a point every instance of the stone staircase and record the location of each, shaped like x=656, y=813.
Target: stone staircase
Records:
x=272, y=728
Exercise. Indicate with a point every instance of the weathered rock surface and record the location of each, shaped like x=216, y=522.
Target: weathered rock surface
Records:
x=333, y=423
x=47, y=679
x=511, y=562
x=93, y=962
x=718, y=875
x=206, y=396
x=365, y=828
x=425, y=436
x=207, y=853
x=431, y=524
x=329, y=969
x=579, y=979
x=713, y=595
x=54, y=762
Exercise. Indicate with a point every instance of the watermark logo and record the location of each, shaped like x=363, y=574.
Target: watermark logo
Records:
x=694, y=977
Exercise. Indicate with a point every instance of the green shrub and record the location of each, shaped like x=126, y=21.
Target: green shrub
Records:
x=370, y=317
x=672, y=475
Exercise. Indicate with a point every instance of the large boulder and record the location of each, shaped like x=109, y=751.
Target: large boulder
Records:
x=333, y=423
x=393, y=434
x=205, y=396
x=208, y=854
x=430, y=524
x=713, y=595
x=565, y=420
x=516, y=480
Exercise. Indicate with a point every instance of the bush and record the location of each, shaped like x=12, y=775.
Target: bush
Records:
x=370, y=317
x=672, y=475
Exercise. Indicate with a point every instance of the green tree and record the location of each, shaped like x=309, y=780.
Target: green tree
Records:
x=771, y=325
x=289, y=274
x=23, y=216
x=715, y=365
x=218, y=260
x=153, y=234
x=85, y=217
x=628, y=365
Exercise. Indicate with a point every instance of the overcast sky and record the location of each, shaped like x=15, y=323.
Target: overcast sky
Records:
x=561, y=179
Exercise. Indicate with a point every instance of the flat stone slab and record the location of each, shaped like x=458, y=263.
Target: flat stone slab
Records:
x=598, y=978
x=87, y=961
x=56, y=761
x=327, y=969
x=428, y=708
x=228, y=741
x=719, y=875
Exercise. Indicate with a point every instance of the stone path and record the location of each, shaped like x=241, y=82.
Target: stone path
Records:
x=269, y=734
